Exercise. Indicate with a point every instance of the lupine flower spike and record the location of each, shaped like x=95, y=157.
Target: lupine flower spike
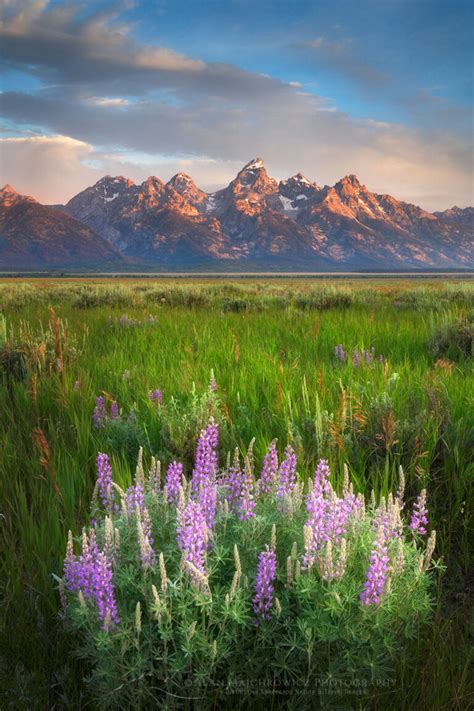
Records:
x=377, y=572
x=264, y=585
x=419, y=518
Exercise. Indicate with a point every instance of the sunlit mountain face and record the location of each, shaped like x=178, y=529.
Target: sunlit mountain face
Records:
x=254, y=222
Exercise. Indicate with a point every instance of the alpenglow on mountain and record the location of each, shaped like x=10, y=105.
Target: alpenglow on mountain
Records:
x=253, y=223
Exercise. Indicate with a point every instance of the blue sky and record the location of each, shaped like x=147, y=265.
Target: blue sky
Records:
x=381, y=89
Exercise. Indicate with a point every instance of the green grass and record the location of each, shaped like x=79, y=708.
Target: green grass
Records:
x=271, y=346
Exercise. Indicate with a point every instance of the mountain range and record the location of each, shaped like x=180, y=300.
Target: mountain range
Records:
x=253, y=223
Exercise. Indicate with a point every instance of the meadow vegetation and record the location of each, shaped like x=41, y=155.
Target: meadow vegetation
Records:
x=372, y=374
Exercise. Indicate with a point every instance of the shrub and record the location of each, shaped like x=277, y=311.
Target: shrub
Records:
x=323, y=300
x=13, y=362
x=202, y=589
x=92, y=296
x=50, y=349
x=239, y=305
x=453, y=340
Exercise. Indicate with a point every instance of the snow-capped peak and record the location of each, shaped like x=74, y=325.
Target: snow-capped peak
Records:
x=300, y=178
x=254, y=164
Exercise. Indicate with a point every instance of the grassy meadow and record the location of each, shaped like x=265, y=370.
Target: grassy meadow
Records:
x=271, y=344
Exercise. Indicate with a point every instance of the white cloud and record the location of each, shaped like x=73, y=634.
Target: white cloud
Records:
x=107, y=101
x=46, y=167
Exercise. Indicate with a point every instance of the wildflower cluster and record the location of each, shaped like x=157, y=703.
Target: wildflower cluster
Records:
x=226, y=561
x=90, y=574
x=155, y=396
x=103, y=414
x=358, y=357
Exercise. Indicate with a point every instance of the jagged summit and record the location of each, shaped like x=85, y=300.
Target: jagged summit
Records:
x=114, y=180
x=151, y=185
x=181, y=176
x=7, y=188
x=254, y=164
x=252, y=181
x=351, y=181
x=9, y=196
x=299, y=178
x=183, y=183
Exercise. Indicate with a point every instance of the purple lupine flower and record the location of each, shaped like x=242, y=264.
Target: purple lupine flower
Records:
x=135, y=497
x=338, y=512
x=99, y=416
x=206, y=464
x=173, y=482
x=321, y=475
x=340, y=354
x=192, y=535
x=114, y=411
x=315, y=530
x=155, y=396
x=205, y=470
x=356, y=357
x=367, y=357
x=287, y=473
x=269, y=471
x=233, y=482
x=103, y=591
x=377, y=571
x=85, y=566
x=419, y=517
x=328, y=515
x=264, y=585
x=104, y=481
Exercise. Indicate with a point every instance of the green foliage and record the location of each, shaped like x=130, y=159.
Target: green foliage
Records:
x=188, y=642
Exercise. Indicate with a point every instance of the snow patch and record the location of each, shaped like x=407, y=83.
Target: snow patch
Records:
x=302, y=179
x=109, y=199
x=287, y=204
x=211, y=204
x=301, y=197
x=254, y=164
x=365, y=206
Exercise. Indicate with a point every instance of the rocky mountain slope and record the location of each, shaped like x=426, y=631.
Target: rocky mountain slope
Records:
x=33, y=236
x=255, y=219
x=256, y=222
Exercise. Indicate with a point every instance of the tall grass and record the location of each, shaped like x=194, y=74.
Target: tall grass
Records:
x=271, y=346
